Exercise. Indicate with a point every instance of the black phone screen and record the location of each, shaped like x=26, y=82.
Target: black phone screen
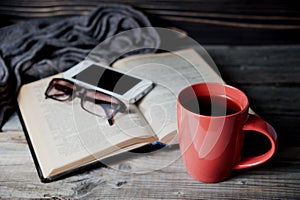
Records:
x=107, y=79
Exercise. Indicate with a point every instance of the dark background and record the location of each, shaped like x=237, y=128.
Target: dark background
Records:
x=208, y=21
x=255, y=44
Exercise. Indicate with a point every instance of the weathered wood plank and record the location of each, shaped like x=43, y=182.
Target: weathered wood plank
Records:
x=209, y=22
x=258, y=55
x=279, y=178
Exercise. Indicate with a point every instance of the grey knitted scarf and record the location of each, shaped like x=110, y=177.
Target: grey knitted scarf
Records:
x=42, y=47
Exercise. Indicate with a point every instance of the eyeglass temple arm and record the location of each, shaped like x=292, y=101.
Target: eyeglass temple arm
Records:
x=110, y=118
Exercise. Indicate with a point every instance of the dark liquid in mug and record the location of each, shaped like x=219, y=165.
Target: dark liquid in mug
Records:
x=212, y=106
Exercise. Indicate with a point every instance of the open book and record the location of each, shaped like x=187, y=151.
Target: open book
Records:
x=63, y=137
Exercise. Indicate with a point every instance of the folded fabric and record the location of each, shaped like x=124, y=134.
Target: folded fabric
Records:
x=43, y=47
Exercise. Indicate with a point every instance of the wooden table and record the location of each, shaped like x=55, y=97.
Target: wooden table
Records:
x=269, y=75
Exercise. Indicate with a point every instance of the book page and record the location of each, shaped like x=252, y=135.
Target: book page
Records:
x=171, y=72
x=64, y=136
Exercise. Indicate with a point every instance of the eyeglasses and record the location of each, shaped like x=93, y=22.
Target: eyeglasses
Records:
x=94, y=102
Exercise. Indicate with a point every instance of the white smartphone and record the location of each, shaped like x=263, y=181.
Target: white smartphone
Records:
x=105, y=79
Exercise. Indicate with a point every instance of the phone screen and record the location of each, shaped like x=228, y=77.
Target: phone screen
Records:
x=107, y=79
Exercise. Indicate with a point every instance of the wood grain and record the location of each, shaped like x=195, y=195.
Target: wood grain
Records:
x=209, y=22
x=279, y=178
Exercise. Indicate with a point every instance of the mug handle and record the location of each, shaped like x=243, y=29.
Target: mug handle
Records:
x=257, y=124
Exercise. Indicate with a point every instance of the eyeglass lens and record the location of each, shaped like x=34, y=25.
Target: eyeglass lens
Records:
x=60, y=90
x=99, y=104
x=92, y=101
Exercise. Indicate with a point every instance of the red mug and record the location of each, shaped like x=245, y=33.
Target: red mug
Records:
x=212, y=120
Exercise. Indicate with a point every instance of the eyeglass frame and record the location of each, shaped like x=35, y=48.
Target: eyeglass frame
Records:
x=81, y=92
